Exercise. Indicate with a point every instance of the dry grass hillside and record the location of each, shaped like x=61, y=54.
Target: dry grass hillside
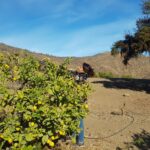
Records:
x=137, y=68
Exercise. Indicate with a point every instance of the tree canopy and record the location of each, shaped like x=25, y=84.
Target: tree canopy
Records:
x=135, y=44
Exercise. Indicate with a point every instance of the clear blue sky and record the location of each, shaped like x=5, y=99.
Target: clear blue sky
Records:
x=67, y=27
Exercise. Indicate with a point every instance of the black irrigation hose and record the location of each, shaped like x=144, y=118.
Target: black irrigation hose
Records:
x=140, y=114
x=115, y=133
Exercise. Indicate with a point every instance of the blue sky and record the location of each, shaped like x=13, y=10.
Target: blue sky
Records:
x=67, y=27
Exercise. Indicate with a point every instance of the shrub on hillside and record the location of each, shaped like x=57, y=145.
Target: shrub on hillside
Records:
x=109, y=75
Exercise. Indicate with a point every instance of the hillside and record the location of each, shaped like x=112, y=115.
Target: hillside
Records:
x=138, y=67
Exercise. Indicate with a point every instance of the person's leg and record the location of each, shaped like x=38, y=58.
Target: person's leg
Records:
x=80, y=137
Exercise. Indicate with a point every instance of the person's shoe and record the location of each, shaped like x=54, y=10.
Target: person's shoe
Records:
x=80, y=144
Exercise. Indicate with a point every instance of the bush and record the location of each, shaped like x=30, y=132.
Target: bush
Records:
x=39, y=103
x=109, y=75
x=127, y=77
x=106, y=75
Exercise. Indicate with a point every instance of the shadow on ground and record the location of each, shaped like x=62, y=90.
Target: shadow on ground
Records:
x=121, y=83
x=140, y=141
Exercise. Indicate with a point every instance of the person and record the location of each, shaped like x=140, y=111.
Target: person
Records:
x=80, y=76
x=80, y=136
x=88, y=69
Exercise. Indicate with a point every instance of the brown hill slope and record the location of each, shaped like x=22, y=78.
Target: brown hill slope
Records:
x=138, y=68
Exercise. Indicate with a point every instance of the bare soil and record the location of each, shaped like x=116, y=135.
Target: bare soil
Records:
x=118, y=114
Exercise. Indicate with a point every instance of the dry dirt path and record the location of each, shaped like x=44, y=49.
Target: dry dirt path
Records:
x=115, y=115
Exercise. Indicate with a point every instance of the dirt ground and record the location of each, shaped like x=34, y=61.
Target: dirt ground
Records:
x=119, y=114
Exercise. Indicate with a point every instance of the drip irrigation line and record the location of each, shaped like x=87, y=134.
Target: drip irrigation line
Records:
x=120, y=130
x=115, y=133
x=136, y=113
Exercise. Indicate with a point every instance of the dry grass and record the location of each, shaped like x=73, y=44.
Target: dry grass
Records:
x=137, y=68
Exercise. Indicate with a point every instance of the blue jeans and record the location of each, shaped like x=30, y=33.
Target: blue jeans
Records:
x=80, y=136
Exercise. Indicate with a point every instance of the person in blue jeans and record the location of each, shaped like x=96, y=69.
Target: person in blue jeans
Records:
x=80, y=76
x=80, y=136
